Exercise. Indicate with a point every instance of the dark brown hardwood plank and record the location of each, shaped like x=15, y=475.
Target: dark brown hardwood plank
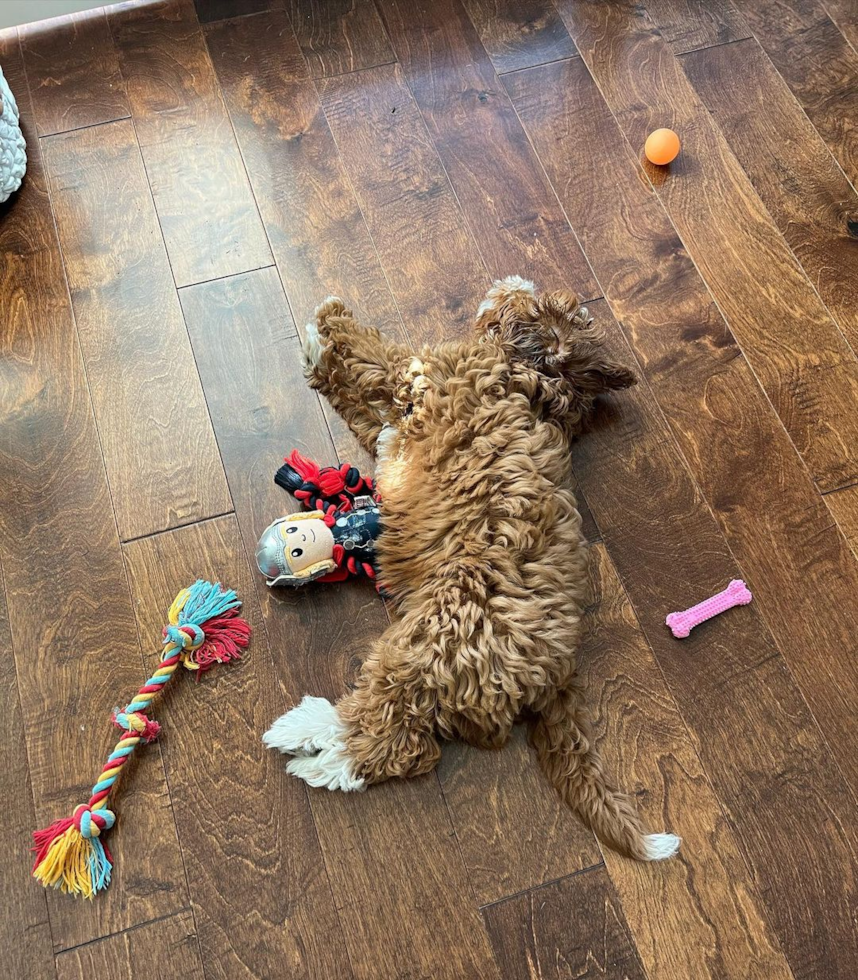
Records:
x=317, y=232
x=818, y=64
x=339, y=36
x=430, y=260
x=804, y=189
x=73, y=72
x=75, y=640
x=844, y=14
x=689, y=25
x=159, y=449
x=511, y=208
x=520, y=33
x=570, y=928
x=205, y=206
x=844, y=506
x=259, y=891
x=795, y=349
x=166, y=949
x=513, y=829
x=758, y=742
x=211, y=10
x=25, y=933
x=702, y=914
x=390, y=852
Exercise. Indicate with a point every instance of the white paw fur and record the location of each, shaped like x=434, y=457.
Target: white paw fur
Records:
x=314, y=733
x=312, y=345
x=661, y=846
x=501, y=288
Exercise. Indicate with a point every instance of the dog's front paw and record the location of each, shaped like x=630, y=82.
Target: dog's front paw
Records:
x=314, y=332
x=315, y=734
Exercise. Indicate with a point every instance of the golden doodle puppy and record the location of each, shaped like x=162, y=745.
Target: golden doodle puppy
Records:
x=481, y=553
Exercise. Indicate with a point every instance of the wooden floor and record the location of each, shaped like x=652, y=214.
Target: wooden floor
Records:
x=200, y=176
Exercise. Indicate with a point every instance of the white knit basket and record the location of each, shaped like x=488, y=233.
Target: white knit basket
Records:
x=13, y=148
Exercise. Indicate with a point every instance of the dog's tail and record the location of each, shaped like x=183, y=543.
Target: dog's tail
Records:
x=562, y=741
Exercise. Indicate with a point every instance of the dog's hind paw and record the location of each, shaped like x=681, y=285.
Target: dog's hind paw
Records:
x=330, y=769
x=310, y=727
x=661, y=846
x=314, y=733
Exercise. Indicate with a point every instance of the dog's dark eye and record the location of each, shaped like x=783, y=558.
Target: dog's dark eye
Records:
x=297, y=552
x=291, y=530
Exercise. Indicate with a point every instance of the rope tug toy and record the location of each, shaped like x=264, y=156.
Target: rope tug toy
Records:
x=204, y=628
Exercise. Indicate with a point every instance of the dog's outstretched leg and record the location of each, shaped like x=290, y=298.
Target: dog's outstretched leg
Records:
x=383, y=729
x=561, y=737
x=354, y=367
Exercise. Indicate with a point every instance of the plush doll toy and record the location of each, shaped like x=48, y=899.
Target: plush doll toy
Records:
x=334, y=539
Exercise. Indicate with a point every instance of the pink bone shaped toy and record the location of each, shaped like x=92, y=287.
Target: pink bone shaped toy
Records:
x=682, y=623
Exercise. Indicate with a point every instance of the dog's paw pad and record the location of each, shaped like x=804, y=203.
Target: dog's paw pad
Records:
x=310, y=727
x=661, y=846
x=331, y=769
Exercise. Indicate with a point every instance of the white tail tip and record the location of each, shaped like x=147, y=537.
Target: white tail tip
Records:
x=661, y=846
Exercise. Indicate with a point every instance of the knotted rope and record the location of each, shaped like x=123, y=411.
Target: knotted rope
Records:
x=203, y=629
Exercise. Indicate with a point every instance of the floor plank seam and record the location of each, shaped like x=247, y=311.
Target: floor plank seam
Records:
x=351, y=71
x=121, y=932
x=229, y=275
x=178, y=527
x=537, y=64
x=79, y=129
x=544, y=884
x=846, y=486
x=715, y=44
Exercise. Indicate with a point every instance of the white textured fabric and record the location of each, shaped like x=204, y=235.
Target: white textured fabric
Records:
x=13, y=149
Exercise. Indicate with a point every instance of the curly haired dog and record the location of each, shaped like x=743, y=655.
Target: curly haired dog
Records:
x=488, y=570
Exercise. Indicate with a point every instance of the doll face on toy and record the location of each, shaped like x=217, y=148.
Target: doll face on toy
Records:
x=296, y=549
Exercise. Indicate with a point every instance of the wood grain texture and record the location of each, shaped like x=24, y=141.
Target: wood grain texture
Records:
x=205, y=206
x=689, y=25
x=844, y=506
x=513, y=829
x=339, y=36
x=844, y=14
x=802, y=573
x=372, y=842
x=73, y=72
x=75, y=640
x=520, y=33
x=751, y=726
x=818, y=64
x=795, y=349
x=570, y=928
x=316, y=228
x=428, y=255
x=247, y=834
x=814, y=205
x=25, y=933
x=166, y=949
x=469, y=115
x=211, y=10
x=701, y=915
x=159, y=449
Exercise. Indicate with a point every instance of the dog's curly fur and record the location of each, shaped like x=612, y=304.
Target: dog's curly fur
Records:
x=482, y=551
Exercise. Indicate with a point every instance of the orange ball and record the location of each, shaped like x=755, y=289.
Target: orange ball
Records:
x=661, y=146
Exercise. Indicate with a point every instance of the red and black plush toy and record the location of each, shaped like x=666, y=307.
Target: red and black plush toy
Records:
x=335, y=537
